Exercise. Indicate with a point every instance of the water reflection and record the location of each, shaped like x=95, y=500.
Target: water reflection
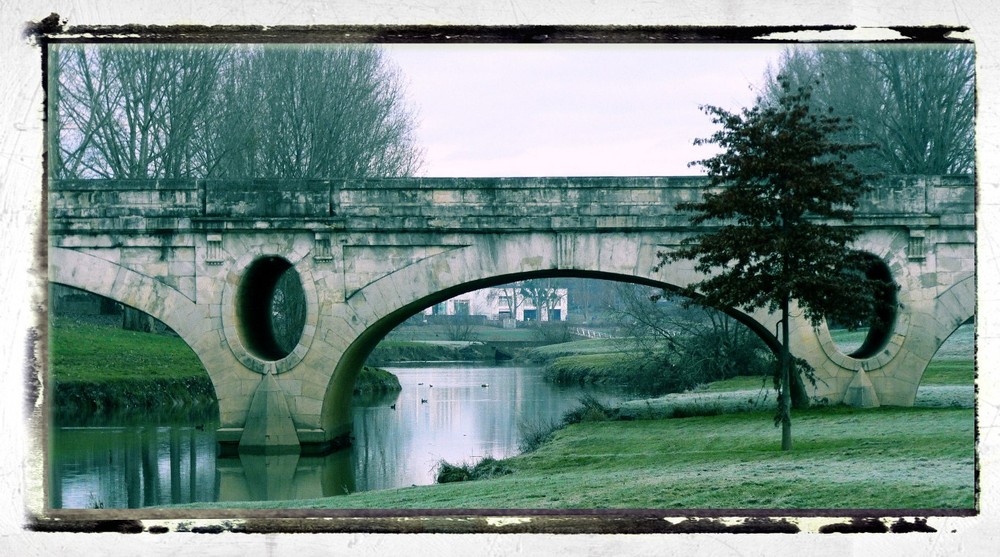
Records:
x=131, y=467
x=278, y=477
x=454, y=412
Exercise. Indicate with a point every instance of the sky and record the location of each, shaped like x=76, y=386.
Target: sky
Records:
x=573, y=110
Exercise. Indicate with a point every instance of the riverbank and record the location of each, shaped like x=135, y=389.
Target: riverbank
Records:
x=888, y=458
x=395, y=351
x=99, y=368
x=717, y=447
x=613, y=362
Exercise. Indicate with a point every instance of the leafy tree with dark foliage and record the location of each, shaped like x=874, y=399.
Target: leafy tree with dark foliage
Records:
x=776, y=191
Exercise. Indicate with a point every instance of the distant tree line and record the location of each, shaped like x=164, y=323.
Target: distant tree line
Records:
x=249, y=111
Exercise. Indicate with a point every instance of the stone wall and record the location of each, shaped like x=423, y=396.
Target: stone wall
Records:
x=440, y=204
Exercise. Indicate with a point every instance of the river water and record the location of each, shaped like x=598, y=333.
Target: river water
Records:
x=458, y=412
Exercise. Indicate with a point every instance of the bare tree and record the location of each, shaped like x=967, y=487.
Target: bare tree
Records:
x=914, y=103
x=543, y=294
x=682, y=344
x=314, y=112
x=591, y=297
x=131, y=111
x=508, y=297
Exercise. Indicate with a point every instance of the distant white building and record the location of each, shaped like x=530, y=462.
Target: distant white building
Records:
x=512, y=302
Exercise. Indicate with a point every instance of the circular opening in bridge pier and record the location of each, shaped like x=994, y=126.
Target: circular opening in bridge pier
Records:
x=864, y=339
x=270, y=308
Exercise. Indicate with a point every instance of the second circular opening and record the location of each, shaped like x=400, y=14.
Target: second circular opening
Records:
x=864, y=339
x=270, y=308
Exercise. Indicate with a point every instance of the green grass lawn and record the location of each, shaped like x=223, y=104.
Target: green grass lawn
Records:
x=88, y=352
x=842, y=458
x=100, y=368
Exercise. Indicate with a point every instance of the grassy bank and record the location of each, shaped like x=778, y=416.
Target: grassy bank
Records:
x=607, y=361
x=96, y=369
x=101, y=369
x=842, y=458
x=546, y=354
x=373, y=380
x=394, y=351
x=717, y=448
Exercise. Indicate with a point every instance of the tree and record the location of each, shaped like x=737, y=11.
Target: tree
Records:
x=313, y=112
x=590, y=298
x=141, y=111
x=780, y=171
x=542, y=294
x=131, y=111
x=915, y=103
x=508, y=297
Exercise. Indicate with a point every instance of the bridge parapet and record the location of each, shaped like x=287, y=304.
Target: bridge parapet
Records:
x=442, y=204
x=952, y=198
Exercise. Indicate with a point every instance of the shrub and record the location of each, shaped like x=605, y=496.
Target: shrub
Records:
x=448, y=473
x=590, y=410
x=533, y=434
x=485, y=469
x=375, y=380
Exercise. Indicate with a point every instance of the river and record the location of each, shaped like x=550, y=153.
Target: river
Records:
x=458, y=412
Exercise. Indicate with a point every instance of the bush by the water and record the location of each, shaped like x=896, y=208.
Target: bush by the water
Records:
x=485, y=469
x=650, y=373
x=533, y=434
x=375, y=380
x=590, y=410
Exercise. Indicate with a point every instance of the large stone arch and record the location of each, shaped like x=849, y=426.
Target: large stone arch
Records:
x=373, y=311
x=955, y=306
x=100, y=276
x=106, y=278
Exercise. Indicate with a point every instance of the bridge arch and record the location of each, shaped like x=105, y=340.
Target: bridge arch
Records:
x=108, y=279
x=379, y=307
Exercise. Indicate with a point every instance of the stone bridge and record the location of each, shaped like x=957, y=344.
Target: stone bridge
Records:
x=203, y=257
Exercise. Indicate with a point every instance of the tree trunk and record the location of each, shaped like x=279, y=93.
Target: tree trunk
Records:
x=786, y=391
x=800, y=397
x=135, y=320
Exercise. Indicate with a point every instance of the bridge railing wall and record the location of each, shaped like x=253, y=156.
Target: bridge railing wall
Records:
x=445, y=203
x=920, y=195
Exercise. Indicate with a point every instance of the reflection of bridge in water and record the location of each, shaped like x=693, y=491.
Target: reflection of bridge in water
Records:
x=204, y=257
x=133, y=467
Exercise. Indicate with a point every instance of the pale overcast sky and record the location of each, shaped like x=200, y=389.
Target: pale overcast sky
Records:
x=573, y=110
